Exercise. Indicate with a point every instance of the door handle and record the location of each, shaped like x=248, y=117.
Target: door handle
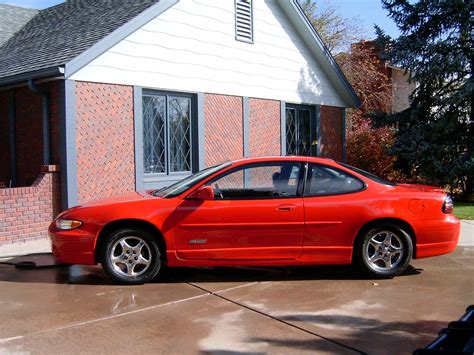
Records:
x=286, y=208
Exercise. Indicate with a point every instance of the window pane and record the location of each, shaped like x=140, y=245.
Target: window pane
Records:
x=304, y=132
x=154, y=154
x=179, y=111
x=266, y=181
x=323, y=180
x=291, y=132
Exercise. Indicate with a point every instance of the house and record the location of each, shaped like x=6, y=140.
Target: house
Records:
x=397, y=78
x=401, y=88
x=98, y=98
x=13, y=19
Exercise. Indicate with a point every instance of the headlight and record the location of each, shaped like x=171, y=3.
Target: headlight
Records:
x=66, y=224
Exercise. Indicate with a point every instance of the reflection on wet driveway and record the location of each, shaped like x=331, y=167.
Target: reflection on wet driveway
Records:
x=56, y=309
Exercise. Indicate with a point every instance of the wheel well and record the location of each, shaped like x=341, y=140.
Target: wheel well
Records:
x=398, y=222
x=129, y=223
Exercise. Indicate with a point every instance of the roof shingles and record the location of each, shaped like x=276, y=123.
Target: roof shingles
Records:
x=13, y=19
x=60, y=33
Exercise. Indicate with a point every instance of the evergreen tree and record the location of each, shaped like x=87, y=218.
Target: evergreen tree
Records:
x=434, y=136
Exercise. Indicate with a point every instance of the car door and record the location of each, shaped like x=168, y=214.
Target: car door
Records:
x=333, y=213
x=257, y=213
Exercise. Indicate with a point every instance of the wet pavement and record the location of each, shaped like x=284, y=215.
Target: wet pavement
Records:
x=334, y=310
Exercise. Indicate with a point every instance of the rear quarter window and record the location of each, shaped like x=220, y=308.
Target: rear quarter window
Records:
x=324, y=180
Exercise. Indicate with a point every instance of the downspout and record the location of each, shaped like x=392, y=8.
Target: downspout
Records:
x=344, y=138
x=46, y=132
x=12, y=137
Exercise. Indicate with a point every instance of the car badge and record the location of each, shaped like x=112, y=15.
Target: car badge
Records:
x=198, y=241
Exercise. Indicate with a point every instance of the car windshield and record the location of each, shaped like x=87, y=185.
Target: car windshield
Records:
x=182, y=185
x=367, y=174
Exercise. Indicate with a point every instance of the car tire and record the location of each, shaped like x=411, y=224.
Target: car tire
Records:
x=131, y=256
x=384, y=251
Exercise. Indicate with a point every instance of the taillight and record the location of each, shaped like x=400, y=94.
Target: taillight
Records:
x=448, y=205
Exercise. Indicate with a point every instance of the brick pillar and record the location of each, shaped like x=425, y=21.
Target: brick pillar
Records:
x=331, y=132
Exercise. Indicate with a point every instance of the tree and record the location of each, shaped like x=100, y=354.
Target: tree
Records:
x=336, y=31
x=368, y=147
x=434, y=135
x=367, y=75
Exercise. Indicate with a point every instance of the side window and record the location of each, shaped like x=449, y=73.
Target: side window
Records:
x=324, y=180
x=277, y=180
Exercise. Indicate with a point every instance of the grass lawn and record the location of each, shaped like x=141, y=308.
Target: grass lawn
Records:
x=464, y=210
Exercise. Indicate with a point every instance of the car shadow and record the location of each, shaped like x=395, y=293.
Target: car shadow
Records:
x=365, y=335
x=46, y=270
x=250, y=274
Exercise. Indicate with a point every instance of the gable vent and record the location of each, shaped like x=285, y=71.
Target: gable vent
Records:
x=244, y=21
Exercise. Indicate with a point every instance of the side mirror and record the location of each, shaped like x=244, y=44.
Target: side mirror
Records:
x=203, y=193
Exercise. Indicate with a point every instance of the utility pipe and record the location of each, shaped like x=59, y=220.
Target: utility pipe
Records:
x=46, y=132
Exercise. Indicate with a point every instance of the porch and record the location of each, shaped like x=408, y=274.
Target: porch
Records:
x=30, y=191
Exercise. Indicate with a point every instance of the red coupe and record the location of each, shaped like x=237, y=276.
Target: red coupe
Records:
x=260, y=211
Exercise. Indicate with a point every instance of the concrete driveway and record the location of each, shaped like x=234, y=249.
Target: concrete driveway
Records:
x=223, y=310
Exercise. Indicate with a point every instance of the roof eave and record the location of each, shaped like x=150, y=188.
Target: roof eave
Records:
x=301, y=22
x=37, y=74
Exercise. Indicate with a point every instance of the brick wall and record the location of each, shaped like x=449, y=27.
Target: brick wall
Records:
x=104, y=140
x=26, y=212
x=4, y=141
x=223, y=128
x=331, y=132
x=264, y=123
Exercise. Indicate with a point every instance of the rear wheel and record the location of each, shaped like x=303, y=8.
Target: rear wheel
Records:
x=131, y=256
x=384, y=251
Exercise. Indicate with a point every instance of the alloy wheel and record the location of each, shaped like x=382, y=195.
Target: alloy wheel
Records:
x=384, y=251
x=130, y=256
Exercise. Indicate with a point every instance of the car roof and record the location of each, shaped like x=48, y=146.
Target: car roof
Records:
x=284, y=158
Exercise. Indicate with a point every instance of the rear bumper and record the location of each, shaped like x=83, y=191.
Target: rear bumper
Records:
x=436, y=237
x=72, y=247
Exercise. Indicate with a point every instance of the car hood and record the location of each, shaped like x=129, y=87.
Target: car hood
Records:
x=129, y=197
x=418, y=187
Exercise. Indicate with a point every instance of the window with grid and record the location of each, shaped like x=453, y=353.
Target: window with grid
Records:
x=167, y=133
x=301, y=130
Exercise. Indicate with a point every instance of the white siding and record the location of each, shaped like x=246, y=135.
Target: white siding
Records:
x=401, y=90
x=191, y=47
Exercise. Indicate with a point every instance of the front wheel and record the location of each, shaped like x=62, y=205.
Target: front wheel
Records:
x=131, y=256
x=384, y=251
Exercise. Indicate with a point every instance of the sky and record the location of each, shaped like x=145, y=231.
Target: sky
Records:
x=367, y=12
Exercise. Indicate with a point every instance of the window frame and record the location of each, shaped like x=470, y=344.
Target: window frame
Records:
x=307, y=177
x=299, y=188
x=170, y=176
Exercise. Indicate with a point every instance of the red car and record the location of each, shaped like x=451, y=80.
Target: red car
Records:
x=260, y=211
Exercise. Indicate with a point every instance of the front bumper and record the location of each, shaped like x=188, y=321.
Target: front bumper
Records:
x=74, y=246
